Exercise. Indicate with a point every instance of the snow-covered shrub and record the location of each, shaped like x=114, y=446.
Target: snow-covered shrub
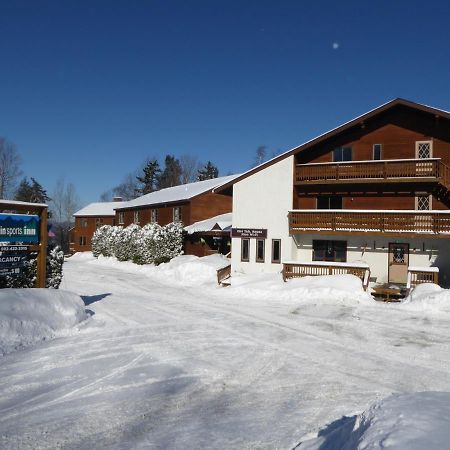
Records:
x=125, y=243
x=146, y=244
x=170, y=242
x=55, y=261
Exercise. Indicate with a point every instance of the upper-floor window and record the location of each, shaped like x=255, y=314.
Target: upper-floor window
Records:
x=121, y=218
x=342, y=154
x=154, y=216
x=424, y=149
x=84, y=223
x=423, y=202
x=377, y=151
x=325, y=202
x=136, y=217
x=98, y=222
x=177, y=214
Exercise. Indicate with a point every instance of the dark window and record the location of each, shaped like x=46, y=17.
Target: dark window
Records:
x=98, y=223
x=333, y=251
x=342, y=154
x=260, y=250
x=82, y=240
x=333, y=202
x=245, y=250
x=276, y=250
x=376, y=151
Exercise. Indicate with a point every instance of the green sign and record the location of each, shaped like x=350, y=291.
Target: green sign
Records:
x=15, y=228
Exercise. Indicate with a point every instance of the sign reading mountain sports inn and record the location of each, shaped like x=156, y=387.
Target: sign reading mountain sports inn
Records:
x=260, y=233
x=19, y=228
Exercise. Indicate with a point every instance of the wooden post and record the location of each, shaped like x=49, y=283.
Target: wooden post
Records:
x=42, y=253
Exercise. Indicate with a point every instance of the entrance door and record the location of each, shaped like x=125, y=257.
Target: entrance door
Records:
x=398, y=263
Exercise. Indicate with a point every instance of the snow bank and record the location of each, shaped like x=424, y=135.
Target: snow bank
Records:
x=185, y=270
x=31, y=315
x=340, y=289
x=408, y=421
x=428, y=297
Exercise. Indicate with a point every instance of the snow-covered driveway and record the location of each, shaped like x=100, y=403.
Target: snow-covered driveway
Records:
x=167, y=367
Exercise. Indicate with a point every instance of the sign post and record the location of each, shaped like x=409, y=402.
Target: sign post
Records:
x=23, y=227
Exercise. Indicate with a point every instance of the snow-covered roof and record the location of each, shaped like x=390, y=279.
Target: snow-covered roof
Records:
x=18, y=203
x=99, y=209
x=223, y=222
x=178, y=193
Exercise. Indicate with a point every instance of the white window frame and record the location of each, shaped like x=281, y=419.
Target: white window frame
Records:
x=154, y=216
x=121, y=218
x=136, y=216
x=177, y=215
x=424, y=142
x=416, y=204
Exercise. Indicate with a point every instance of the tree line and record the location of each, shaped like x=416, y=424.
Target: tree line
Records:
x=153, y=177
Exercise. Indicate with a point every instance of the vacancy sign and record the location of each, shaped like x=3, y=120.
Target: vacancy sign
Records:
x=19, y=228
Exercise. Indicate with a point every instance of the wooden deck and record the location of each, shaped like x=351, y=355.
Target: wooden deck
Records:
x=300, y=269
x=398, y=223
x=380, y=171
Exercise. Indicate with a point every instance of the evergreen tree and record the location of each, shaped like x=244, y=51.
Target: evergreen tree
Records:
x=171, y=175
x=31, y=192
x=150, y=177
x=207, y=172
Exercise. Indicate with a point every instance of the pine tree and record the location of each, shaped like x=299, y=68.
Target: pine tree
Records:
x=150, y=177
x=208, y=172
x=171, y=175
x=31, y=192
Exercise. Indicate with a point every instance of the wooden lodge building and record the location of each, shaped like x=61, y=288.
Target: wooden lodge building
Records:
x=187, y=203
x=88, y=219
x=371, y=194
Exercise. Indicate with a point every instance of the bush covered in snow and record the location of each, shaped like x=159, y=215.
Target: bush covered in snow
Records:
x=151, y=244
x=27, y=277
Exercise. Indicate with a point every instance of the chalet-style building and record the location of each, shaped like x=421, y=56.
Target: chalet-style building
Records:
x=88, y=219
x=187, y=203
x=372, y=193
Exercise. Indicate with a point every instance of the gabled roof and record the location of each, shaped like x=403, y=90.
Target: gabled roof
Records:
x=221, y=222
x=178, y=193
x=335, y=131
x=99, y=209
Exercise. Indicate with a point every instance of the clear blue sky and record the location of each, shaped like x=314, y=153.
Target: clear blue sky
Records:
x=88, y=89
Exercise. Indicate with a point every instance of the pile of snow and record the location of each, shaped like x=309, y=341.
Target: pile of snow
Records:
x=340, y=289
x=409, y=421
x=31, y=315
x=428, y=297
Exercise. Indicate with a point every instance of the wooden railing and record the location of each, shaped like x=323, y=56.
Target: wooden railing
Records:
x=299, y=269
x=419, y=275
x=223, y=273
x=373, y=171
x=436, y=224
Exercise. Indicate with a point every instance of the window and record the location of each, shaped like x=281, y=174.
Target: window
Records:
x=177, y=214
x=121, y=221
x=342, y=154
x=424, y=149
x=276, y=251
x=333, y=251
x=84, y=223
x=82, y=240
x=377, y=151
x=136, y=216
x=98, y=223
x=333, y=202
x=154, y=216
x=423, y=202
x=245, y=250
x=260, y=250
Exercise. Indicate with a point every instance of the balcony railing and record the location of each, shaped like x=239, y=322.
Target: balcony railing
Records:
x=395, y=170
x=401, y=222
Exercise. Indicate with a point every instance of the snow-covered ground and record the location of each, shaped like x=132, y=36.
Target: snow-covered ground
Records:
x=166, y=363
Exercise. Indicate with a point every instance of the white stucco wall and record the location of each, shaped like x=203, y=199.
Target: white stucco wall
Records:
x=263, y=201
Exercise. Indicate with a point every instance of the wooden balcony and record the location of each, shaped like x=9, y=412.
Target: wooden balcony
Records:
x=381, y=171
x=399, y=223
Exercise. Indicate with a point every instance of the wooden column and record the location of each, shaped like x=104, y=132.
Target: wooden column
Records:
x=42, y=254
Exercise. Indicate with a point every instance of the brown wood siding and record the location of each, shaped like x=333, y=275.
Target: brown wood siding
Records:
x=87, y=231
x=209, y=205
x=397, y=143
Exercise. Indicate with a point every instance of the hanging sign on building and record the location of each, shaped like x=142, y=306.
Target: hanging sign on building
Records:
x=21, y=228
x=260, y=233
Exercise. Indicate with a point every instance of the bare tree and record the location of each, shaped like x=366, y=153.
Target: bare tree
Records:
x=190, y=165
x=128, y=188
x=63, y=205
x=9, y=168
x=260, y=155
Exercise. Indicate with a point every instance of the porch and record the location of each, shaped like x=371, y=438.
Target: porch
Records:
x=405, y=223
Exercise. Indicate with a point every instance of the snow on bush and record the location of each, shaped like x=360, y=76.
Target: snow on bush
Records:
x=408, y=421
x=428, y=297
x=151, y=244
x=28, y=316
